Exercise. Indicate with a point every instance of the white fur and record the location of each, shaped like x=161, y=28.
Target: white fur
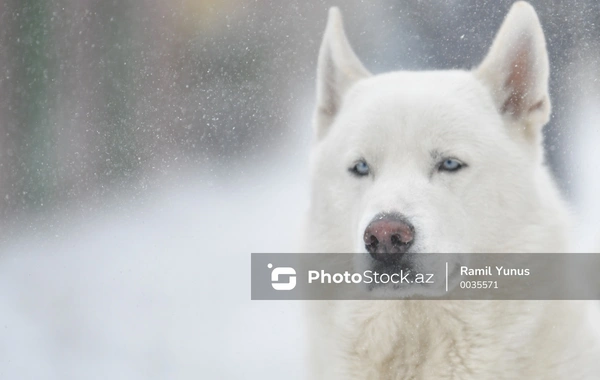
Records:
x=504, y=201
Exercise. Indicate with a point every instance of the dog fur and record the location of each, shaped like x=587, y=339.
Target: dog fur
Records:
x=504, y=200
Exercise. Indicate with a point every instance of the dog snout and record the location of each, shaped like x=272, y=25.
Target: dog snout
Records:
x=388, y=237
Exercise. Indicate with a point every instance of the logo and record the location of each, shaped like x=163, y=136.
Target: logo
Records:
x=283, y=271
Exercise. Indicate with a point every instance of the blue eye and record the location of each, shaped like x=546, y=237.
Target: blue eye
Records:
x=450, y=165
x=360, y=169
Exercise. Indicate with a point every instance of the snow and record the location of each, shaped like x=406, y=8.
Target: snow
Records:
x=586, y=180
x=160, y=291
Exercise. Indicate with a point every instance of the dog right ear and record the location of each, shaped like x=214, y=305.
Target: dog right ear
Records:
x=516, y=71
x=338, y=69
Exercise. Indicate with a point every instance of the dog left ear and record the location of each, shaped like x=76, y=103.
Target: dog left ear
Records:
x=516, y=70
x=338, y=69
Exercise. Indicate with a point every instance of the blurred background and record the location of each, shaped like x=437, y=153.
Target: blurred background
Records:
x=147, y=147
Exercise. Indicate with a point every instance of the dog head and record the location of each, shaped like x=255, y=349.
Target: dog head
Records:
x=438, y=161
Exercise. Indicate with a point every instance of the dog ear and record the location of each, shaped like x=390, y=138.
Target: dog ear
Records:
x=338, y=69
x=516, y=70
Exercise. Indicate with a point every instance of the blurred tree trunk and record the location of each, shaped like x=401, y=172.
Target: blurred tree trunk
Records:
x=118, y=150
x=29, y=68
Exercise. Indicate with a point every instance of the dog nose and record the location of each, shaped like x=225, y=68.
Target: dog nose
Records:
x=388, y=237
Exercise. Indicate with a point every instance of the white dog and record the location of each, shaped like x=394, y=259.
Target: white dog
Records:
x=442, y=161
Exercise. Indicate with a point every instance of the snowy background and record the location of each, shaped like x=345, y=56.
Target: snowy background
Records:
x=147, y=147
